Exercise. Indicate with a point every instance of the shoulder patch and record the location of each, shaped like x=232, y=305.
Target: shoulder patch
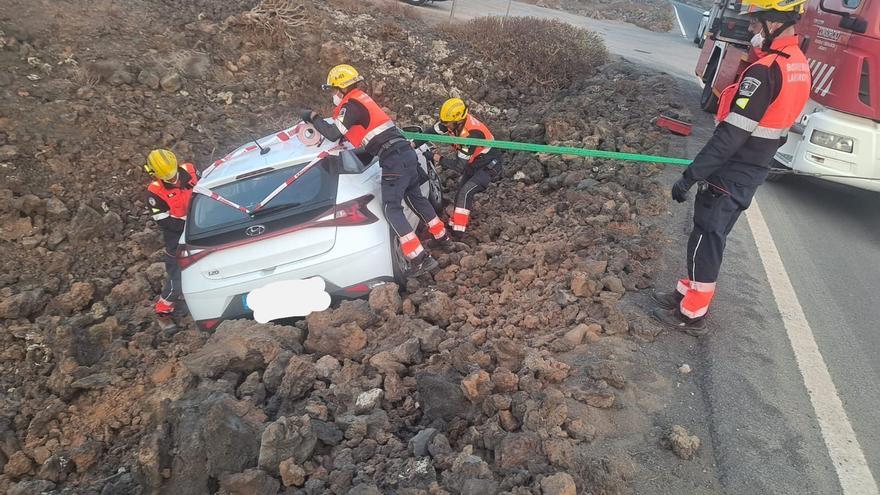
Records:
x=748, y=86
x=742, y=102
x=152, y=201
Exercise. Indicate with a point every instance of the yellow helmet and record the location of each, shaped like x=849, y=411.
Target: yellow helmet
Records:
x=161, y=164
x=342, y=76
x=453, y=110
x=756, y=6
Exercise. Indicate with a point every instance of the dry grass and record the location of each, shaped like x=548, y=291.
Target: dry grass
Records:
x=653, y=15
x=272, y=22
x=82, y=76
x=398, y=9
x=352, y=6
x=543, y=52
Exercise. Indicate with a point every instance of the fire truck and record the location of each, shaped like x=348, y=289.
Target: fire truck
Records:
x=838, y=134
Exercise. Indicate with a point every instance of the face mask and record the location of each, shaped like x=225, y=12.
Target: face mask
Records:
x=757, y=40
x=337, y=99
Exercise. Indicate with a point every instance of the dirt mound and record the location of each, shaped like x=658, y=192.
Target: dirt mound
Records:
x=490, y=377
x=544, y=52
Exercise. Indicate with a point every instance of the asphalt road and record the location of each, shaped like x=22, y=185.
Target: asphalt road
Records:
x=829, y=238
x=764, y=435
x=687, y=19
x=660, y=51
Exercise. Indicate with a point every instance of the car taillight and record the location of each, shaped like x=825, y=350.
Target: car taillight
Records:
x=357, y=289
x=186, y=257
x=208, y=325
x=354, y=212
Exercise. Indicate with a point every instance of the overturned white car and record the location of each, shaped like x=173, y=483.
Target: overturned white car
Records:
x=289, y=206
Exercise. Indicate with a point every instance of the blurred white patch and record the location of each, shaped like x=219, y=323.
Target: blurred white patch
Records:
x=288, y=298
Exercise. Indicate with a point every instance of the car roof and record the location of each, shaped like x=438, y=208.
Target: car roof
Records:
x=295, y=145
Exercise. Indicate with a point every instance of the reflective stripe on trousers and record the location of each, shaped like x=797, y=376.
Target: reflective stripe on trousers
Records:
x=411, y=245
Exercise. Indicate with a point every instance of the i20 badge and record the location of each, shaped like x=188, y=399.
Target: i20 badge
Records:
x=255, y=230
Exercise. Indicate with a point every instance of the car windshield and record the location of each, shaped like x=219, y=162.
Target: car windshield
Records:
x=314, y=189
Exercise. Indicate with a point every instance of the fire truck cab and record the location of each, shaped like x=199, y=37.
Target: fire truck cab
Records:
x=725, y=52
x=839, y=131
x=838, y=134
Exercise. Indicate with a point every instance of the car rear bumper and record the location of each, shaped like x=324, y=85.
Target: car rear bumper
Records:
x=367, y=266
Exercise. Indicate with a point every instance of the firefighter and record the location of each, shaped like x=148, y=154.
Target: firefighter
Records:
x=478, y=165
x=363, y=123
x=168, y=197
x=753, y=115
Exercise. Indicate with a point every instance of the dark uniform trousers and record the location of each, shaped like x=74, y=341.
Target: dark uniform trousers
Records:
x=171, y=289
x=717, y=206
x=475, y=179
x=401, y=181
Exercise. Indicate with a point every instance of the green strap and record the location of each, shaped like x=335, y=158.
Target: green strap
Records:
x=543, y=148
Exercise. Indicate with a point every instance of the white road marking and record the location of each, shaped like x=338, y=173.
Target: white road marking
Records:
x=843, y=447
x=677, y=18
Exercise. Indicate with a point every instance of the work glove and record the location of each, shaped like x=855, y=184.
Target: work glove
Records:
x=308, y=115
x=680, y=189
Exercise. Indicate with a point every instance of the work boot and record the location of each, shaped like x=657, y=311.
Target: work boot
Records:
x=667, y=299
x=164, y=307
x=695, y=327
x=445, y=243
x=422, y=264
x=461, y=236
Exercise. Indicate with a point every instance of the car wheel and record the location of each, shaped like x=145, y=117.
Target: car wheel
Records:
x=399, y=263
x=778, y=171
x=417, y=3
x=708, y=100
x=435, y=189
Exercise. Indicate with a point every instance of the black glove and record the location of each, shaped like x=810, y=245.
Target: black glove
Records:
x=680, y=189
x=307, y=115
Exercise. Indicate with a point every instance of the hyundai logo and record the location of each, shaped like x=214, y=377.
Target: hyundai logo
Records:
x=255, y=230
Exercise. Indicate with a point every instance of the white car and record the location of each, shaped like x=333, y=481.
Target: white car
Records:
x=700, y=35
x=289, y=206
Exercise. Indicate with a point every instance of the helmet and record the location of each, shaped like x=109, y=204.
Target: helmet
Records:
x=767, y=6
x=342, y=76
x=453, y=110
x=161, y=164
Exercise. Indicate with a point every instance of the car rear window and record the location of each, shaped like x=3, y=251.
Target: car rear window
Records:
x=209, y=219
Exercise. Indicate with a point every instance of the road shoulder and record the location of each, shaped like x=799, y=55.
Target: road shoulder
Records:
x=763, y=431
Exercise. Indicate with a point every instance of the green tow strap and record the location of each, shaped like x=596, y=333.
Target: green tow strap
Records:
x=543, y=148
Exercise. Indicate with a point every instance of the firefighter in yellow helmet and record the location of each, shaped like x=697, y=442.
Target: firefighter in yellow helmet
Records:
x=753, y=115
x=363, y=123
x=478, y=165
x=168, y=197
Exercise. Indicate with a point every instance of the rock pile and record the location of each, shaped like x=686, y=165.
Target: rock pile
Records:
x=461, y=384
